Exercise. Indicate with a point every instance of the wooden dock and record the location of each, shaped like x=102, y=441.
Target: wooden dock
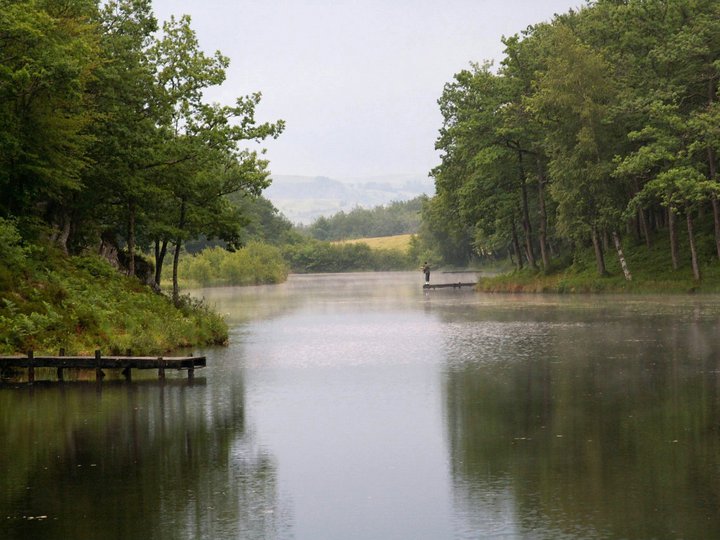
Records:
x=98, y=362
x=448, y=285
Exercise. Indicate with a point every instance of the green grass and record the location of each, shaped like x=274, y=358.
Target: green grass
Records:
x=51, y=301
x=650, y=268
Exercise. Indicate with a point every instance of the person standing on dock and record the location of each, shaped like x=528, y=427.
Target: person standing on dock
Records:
x=426, y=271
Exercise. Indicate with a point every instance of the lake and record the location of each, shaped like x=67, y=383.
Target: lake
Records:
x=359, y=406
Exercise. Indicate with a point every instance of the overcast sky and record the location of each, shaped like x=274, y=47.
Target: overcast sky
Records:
x=357, y=81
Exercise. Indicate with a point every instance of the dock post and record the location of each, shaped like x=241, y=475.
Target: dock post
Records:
x=31, y=367
x=161, y=369
x=127, y=372
x=60, y=369
x=98, y=371
x=191, y=373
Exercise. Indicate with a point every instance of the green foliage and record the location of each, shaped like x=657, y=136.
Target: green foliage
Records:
x=12, y=253
x=679, y=187
x=255, y=264
x=106, y=138
x=316, y=256
x=395, y=218
x=82, y=304
x=595, y=124
x=105, y=132
x=49, y=50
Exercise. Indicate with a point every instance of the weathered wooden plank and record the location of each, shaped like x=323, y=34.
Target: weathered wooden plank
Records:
x=100, y=363
x=448, y=285
x=104, y=361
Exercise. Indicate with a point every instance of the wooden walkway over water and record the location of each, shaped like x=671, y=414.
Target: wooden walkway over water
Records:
x=98, y=362
x=448, y=285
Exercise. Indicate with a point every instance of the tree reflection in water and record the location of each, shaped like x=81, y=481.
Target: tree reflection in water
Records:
x=139, y=460
x=597, y=426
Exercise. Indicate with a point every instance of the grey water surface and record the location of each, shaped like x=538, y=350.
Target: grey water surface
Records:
x=359, y=406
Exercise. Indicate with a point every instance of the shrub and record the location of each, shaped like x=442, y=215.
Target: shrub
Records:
x=12, y=253
x=257, y=263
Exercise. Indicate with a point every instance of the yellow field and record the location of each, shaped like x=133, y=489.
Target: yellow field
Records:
x=399, y=242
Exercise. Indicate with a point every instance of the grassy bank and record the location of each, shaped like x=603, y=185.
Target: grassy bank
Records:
x=650, y=268
x=49, y=301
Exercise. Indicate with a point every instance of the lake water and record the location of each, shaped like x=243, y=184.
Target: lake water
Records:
x=361, y=407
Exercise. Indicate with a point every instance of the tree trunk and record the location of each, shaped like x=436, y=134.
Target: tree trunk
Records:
x=516, y=247
x=644, y=227
x=714, y=199
x=131, y=238
x=693, y=250
x=712, y=165
x=160, y=252
x=176, y=260
x=599, y=258
x=672, y=226
x=176, y=256
x=621, y=256
x=542, y=215
x=63, y=234
x=716, y=213
x=527, y=227
x=642, y=221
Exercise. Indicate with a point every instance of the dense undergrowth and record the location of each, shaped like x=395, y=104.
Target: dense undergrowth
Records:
x=49, y=301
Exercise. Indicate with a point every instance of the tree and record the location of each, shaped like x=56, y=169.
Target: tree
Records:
x=125, y=134
x=480, y=181
x=681, y=188
x=573, y=100
x=47, y=57
x=200, y=162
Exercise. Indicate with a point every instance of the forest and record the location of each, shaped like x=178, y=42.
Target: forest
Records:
x=106, y=139
x=110, y=155
x=597, y=131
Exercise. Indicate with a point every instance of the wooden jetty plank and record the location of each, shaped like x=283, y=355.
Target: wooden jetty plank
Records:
x=90, y=362
x=448, y=285
x=99, y=362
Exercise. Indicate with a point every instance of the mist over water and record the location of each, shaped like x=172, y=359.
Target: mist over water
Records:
x=362, y=406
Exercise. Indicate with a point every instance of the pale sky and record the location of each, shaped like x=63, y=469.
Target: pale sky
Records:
x=357, y=81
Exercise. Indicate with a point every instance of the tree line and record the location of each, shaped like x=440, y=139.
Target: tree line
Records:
x=596, y=126
x=106, y=138
x=399, y=217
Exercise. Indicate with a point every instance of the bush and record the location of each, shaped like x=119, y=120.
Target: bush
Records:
x=255, y=264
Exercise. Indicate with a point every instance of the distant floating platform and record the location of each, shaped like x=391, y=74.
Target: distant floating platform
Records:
x=448, y=285
x=98, y=362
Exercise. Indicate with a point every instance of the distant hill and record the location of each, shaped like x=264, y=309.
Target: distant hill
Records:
x=302, y=199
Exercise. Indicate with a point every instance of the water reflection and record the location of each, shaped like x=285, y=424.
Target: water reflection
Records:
x=330, y=292
x=140, y=460
x=585, y=423
x=361, y=406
